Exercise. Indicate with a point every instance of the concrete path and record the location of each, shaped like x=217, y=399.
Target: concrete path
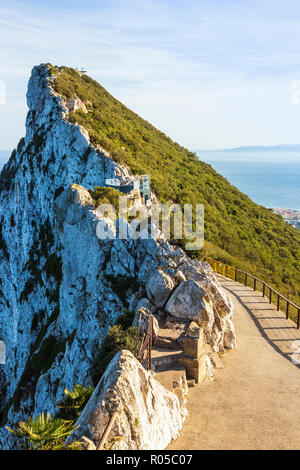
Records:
x=254, y=402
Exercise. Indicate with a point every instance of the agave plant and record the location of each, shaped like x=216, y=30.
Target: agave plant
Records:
x=43, y=432
x=74, y=402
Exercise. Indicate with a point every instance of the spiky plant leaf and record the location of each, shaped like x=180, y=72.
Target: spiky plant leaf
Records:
x=74, y=402
x=43, y=432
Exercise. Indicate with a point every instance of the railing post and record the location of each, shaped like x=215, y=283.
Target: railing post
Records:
x=149, y=353
x=137, y=335
x=151, y=330
x=232, y=272
x=107, y=430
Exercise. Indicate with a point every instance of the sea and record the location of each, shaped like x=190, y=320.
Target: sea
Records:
x=269, y=179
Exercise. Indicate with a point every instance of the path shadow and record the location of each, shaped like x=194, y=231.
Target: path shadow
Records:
x=279, y=328
x=229, y=288
x=270, y=318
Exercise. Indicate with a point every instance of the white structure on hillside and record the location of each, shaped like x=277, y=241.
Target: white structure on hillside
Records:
x=114, y=182
x=144, y=187
x=141, y=184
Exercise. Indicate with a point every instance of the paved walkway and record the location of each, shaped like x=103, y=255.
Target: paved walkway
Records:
x=254, y=402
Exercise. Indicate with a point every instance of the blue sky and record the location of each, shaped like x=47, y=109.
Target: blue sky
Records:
x=209, y=73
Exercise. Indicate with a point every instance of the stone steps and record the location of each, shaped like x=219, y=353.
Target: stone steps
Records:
x=170, y=377
x=181, y=368
x=163, y=359
x=168, y=372
x=166, y=343
x=173, y=378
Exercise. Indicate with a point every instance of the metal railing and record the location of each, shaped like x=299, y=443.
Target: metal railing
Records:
x=267, y=290
x=144, y=355
x=107, y=430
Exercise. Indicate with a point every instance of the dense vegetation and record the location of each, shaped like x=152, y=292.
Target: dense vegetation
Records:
x=105, y=196
x=237, y=231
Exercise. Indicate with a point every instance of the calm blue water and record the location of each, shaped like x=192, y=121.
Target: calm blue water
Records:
x=267, y=181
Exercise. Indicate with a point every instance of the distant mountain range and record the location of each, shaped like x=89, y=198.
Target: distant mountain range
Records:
x=265, y=148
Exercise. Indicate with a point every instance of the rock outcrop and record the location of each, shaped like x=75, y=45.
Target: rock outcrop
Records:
x=149, y=416
x=188, y=301
x=159, y=288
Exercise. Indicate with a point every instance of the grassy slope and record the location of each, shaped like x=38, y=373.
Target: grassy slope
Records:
x=237, y=231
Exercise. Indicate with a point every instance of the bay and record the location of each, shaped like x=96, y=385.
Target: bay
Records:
x=269, y=180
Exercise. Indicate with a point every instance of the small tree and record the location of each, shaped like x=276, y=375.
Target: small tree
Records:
x=116, y=340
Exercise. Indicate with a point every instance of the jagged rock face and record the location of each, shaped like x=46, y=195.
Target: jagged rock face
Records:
x=149, y=416
x=50, y=255
x=188, y=302
x=159, y=288
x=60, y=284
x=223, y=332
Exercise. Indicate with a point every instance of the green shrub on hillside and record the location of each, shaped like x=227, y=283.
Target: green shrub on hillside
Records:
x=105, y=195
x=53, y=267
x=121, y=284
x=74, y=402
x=117, y=339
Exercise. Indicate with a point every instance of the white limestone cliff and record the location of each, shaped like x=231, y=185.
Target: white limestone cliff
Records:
x=58, y=297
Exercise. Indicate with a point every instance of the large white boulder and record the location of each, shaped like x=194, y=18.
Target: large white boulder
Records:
x=229, y=334
x=159, y=288
x=222, y=334
x=188, y=302
x=149, y=416
x=221, y=303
